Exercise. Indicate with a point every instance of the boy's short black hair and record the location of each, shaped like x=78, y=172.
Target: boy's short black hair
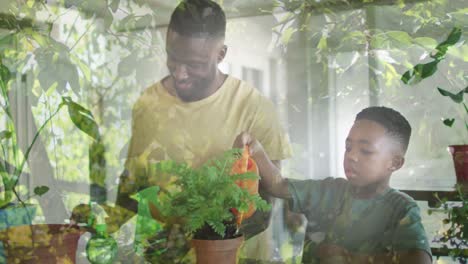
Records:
x=393, y=121
x=198, y=18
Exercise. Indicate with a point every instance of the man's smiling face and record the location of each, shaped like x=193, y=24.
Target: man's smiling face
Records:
x=193, y=63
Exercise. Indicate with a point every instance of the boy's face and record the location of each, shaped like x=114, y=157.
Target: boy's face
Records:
x=371, y=155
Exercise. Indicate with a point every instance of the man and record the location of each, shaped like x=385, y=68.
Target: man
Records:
x=196, y=112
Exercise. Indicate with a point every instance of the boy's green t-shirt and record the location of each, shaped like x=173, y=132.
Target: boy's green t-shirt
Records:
x=386, y=223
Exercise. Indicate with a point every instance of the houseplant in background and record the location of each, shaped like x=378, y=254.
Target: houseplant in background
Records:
x=455, y=237
x=22, y=240
x=425, y=70
x=208, y=202
x=459, y=152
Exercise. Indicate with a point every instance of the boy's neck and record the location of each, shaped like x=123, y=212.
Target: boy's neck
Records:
x=370, y=191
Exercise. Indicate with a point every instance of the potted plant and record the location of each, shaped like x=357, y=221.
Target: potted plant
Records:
x=421, y=71
x=455, y=237
x=208, y=202
x=22, y=240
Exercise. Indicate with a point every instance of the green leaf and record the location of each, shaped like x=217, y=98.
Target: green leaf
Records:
x=46, y=81
x=449, y=121
x=127, y=23
x=427, y=69
x=41, y=39
x=287, y=34
x=419, y=72
x=82, y=118
x=400, y=38
x=108, y=18
x=55, y=67
x=457, y=98
x=84, y=68
x=451, y=40
x=114, y=5
x=5, y=134
x=143, y=22
x=379, y=41
x=322, y=43
x=219, y=228
x=68, y=73
x=5, y=74
x=41, y=190
x=425, y=42
x=7, y=42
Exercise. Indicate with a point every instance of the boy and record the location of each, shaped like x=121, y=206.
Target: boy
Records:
x=359, y=219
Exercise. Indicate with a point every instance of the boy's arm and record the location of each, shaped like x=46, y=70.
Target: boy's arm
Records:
x=260, y=220
x=270, y=174
x=335, y=254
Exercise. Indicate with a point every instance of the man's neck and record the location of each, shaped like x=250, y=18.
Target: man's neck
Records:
x=216, y=84
x=371, y=190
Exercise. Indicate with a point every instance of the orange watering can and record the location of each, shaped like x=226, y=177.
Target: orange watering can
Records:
x=243, y=165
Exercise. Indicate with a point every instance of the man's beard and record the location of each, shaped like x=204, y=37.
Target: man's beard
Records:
x=196, y=92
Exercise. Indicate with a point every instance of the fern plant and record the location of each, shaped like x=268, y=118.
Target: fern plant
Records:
x=202, y=198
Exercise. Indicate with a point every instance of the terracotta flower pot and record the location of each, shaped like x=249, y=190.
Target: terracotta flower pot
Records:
x=217, y=251
x=460, y=160
x=53, y=243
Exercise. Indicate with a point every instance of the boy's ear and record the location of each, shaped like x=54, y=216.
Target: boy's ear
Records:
x=222, y=53
x=397, y=163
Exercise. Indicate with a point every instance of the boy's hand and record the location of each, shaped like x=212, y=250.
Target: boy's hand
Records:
x=244, y=139
x=271, y=179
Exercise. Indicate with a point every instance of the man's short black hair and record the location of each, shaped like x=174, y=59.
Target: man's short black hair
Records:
x=393, y=121
x=198, y=18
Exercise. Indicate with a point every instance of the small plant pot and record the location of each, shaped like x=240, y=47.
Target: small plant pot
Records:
x=217, y=251
x=15, y=215
x=45, y=243
x=460, y=161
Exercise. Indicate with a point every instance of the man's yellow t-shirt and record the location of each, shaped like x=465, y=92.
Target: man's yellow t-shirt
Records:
x=164, y=127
